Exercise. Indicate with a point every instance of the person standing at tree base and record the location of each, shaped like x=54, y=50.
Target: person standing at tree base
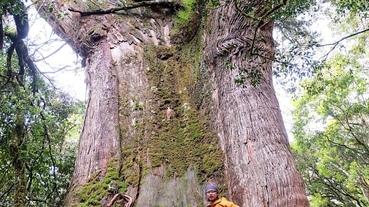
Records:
x=211, y=192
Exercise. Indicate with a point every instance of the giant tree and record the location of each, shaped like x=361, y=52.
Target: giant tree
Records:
x=180, y=93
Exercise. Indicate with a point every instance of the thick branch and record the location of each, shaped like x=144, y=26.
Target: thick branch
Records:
x=167, y=3
x=22, y=26
x=261, y=20
x=21, y=22
x=23, y=57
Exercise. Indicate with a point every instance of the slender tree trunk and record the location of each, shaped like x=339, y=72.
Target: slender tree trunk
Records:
x=152, y=130
x=17, y=139
x=261, y=169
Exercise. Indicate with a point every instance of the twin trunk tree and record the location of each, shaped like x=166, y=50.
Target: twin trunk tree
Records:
x=165, y=114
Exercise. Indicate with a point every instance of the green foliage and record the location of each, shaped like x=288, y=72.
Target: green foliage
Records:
x=302, y=44
x=297, y=52
x=46, y=144
x=13, y=6
x=331, y=116
x=331, y=132
x=356, y=6
x=185, y=15
x=293, y=8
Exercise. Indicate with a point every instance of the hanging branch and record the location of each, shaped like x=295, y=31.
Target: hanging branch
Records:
x=21, y=22
x=23, y=57
x=18, y=45
x=167, y=3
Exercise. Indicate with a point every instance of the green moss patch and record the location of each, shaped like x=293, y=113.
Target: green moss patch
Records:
x=183, y=140
x=92, y=193
x=185, y=15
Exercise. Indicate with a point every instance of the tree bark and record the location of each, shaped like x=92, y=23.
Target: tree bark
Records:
x=16, y=141
x=261, y=169
x=159, y=115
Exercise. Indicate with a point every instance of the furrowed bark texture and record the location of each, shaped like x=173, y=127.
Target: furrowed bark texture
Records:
x=136, y=111
x=261, y=169
x=150, y=115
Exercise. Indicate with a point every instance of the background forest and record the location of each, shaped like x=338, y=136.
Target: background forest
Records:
x=321, y=63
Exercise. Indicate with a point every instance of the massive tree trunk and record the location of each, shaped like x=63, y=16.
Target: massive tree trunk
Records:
x=260, y=168
x=162, y=121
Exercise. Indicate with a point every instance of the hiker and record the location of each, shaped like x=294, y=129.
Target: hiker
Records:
x=214, y=201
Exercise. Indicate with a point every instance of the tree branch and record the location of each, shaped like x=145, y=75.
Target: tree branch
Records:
x=261, y=20
x=168, y=3
x=339, y=41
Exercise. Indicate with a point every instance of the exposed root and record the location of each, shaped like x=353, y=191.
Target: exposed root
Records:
x=128, y=200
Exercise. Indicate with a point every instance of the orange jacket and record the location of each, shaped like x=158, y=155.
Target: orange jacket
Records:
x=222, y=202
